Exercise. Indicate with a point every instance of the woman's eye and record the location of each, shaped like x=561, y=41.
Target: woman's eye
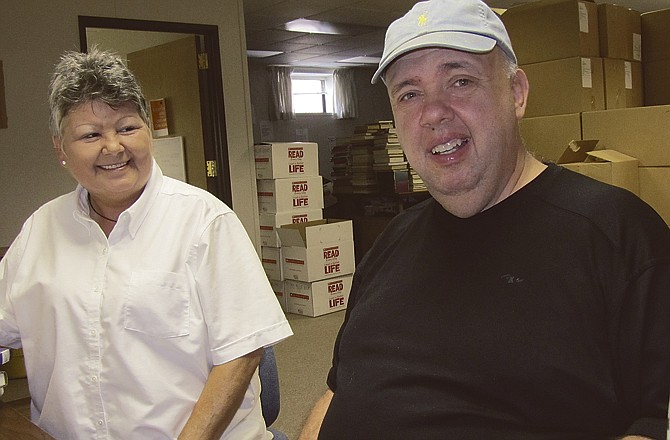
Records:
x=92, y=135
x=128, y=129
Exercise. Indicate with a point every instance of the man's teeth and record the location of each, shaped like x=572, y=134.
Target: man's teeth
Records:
x=113, y=167
x=449, y=147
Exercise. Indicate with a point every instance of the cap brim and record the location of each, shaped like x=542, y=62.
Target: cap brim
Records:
x=451, y=40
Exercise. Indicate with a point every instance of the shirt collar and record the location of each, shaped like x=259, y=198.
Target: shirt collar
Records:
x=133, y=217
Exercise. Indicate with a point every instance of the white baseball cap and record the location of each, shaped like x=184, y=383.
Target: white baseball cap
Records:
x=467, y=25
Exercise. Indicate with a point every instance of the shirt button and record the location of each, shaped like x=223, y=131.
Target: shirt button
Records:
x=104, y=251
x=100, y=422
x=94, y=378
x=93, y=332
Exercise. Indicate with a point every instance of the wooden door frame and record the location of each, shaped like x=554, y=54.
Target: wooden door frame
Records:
x=212, y=109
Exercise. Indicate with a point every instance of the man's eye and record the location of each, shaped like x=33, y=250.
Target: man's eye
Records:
x=407, y=96
x=462, y=82
x=90, y=135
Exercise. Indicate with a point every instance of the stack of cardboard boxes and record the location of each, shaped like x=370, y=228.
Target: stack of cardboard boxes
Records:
x=318, y=265
x=290, y=194
x=585, y=67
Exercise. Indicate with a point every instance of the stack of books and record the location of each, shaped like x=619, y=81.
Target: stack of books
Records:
x=340, y=157
x=363, y=177
x=416, y=183
x=372, y=161
x=387, y=152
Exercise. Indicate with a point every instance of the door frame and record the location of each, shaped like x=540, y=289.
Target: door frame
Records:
x=210, y=84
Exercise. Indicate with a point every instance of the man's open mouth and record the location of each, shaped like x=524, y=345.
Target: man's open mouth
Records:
x=450, y=146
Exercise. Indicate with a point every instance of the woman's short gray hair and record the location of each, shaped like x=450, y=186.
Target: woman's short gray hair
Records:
x=97, y=75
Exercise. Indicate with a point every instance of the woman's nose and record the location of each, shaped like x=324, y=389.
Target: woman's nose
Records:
x=111, y=145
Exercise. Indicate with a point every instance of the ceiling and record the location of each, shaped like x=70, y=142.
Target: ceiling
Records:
x=363, y=24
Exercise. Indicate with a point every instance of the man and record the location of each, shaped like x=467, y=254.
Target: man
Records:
x=523, y=301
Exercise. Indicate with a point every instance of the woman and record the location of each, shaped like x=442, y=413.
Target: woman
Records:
x=139, y=301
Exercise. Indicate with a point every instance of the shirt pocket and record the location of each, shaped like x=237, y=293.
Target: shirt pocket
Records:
x=157, y=304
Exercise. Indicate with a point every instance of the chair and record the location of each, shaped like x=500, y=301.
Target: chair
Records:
x=267, y=370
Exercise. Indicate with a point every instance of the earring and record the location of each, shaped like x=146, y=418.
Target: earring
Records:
x=62, y=162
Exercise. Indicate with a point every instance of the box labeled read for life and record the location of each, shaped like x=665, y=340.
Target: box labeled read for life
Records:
x=319, y=297
x=296, y=193
x=317, y=250
x=278, y=160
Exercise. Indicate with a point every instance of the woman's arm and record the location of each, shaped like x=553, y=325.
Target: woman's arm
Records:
x=221, y=398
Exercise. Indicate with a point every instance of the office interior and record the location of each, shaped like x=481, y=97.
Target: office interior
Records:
x=34, y=34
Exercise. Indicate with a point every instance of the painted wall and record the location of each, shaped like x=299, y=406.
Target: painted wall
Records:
x=373, y=105
x=33, y=34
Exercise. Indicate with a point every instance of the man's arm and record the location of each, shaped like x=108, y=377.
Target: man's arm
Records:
x=310, y=430
x=221, y=398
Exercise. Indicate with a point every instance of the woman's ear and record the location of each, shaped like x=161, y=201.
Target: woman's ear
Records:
x=58, y=149
x=520, y=88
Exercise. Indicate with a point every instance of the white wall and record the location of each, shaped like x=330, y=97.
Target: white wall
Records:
x=373, y=105
x=33, y=34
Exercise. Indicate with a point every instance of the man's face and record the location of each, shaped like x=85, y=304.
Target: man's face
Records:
x=456, y=114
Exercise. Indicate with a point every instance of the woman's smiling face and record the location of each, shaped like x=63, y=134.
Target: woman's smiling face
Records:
x=107, y=150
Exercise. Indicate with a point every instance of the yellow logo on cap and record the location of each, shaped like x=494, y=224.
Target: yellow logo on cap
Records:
x=422, y=20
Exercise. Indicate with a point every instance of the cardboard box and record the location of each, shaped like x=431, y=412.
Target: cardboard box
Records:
x=655, y=189
x=623, y=83
x=278, y=289
x=620, y=31
x=611, y=167
x=657, y=82
x=291, y=194
x=547, y=136
x=640, y=132
x=317, y=250
x=319, y=297
x=270, y=221
x=278, y=160
x=271, y=259
x=656, y=35
x=569, y=85
x=553, y=29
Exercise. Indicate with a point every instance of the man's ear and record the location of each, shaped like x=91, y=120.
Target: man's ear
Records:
x=520, y=88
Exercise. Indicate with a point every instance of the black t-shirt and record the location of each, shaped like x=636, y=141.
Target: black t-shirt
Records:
x=546, y=316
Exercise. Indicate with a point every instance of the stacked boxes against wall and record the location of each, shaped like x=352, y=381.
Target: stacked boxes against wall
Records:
x=588, y=93
x=578, y=56
x=290, y=190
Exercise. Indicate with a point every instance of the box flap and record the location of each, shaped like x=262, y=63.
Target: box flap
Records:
x=609, y=156
x=577, y=151
x=316, y=232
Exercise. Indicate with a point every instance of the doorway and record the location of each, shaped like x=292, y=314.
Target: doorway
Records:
x=209, y=166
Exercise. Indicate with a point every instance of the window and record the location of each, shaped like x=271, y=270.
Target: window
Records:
x=312, y=92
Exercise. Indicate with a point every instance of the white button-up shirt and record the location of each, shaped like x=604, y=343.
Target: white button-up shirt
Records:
x=119, y=334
